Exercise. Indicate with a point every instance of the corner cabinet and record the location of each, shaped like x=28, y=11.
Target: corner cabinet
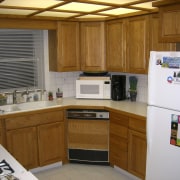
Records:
x=115, y=45
x=137, y=147
x=92, y=45
x=170, y=23
x=155, y=43
x=137, y=54
x=36, y=139
x=64, y=47
x=118, y=146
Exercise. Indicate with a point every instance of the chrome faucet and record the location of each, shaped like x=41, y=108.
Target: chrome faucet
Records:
x=14, y=97
x=26, y=92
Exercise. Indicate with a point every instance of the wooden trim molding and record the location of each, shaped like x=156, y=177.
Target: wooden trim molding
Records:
x=27, y=24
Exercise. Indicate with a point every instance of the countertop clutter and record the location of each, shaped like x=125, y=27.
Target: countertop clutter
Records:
x=11, y=169
x=127, y=106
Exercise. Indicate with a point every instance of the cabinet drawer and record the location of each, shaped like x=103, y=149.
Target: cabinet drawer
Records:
x=33, y=119
x=118, y=130
x=137, y=124
x=119, y=119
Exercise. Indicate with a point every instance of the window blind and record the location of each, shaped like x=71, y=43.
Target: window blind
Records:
x=21, y=58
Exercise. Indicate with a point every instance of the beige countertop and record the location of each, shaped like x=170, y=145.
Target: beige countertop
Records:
x=127, y=106
x=137, y=108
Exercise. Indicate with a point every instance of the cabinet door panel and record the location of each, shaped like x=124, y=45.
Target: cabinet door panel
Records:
x=138, y=45
x=51, y=143
x=68, y=44
x=169, y=23
x=22, y=144
x=1, y=136
x=137, y=153
x=115, y=46
x=64, y=47
x=155, y=44
x=92, y=46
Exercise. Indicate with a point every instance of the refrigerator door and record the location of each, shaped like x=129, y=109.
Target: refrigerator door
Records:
x=163, y=158
x=164, y=80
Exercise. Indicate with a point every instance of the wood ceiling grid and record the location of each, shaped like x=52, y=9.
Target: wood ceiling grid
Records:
x=108, y=6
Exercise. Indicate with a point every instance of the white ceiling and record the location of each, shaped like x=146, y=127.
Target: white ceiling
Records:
x=73, y=9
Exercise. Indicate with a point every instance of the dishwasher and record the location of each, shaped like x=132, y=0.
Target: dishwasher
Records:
x=88, y=136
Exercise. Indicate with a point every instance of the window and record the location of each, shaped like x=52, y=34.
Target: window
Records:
x=21, y=59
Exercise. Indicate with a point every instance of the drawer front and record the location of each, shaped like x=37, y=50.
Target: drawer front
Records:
x=119, y=119
x=33, y=119
x=119, y=130
x=137, y=124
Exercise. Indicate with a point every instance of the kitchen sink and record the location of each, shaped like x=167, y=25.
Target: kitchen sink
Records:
x=27, y=106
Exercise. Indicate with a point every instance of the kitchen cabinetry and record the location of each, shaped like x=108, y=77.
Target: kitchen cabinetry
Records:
x=36, y=139
x=170, y=23
x=64, y=47
x=1, y=137
x=155, y=44
x=92, y=46
x=137, y=54
x=115, y=45
x=137, y=147
x=118, y=140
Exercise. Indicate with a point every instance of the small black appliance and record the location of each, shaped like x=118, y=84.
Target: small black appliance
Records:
x=118, y=87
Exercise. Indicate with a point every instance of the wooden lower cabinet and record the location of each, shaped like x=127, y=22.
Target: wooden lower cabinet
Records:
x=36, y=139
x=50, y=141
x=118, y=146
x=137, y=147
x=1, y=137
x=22, y=144
x=128, y=143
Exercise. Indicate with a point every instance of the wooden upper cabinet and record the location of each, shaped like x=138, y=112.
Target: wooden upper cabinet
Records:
x=64, y=47
x=92, y=46
x=170, y=23
x=155, y=44
x=137, y=44
x=115, y=45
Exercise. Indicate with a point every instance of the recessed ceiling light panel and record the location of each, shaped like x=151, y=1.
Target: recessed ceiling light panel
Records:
x=81, y=7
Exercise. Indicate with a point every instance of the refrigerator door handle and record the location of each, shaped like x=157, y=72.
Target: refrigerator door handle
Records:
x=149, y=128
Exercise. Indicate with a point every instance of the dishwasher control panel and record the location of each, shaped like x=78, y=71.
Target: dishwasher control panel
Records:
x=87, y=114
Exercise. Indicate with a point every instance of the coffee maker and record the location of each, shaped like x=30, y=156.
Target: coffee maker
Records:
x=118, y=87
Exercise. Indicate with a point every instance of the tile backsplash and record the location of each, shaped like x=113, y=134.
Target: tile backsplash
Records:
x=66, y=82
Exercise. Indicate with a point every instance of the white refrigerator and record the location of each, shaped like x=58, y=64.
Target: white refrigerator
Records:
x=163, y=117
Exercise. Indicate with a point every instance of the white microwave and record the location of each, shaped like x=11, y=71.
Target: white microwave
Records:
x=93, y=89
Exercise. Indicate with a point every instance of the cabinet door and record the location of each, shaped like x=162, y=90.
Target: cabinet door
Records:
x=1, y=141
x=22, y=144
x=64, y=47
x=155, y=44
x=68, y=46
x=51, y=143
x=92, y=46
x=170, y=23
x=118, y=148
x=115, y=45
x=138, y=44
x=137, y=153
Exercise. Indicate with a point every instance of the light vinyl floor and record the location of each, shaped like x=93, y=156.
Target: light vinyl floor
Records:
x=81, y=172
